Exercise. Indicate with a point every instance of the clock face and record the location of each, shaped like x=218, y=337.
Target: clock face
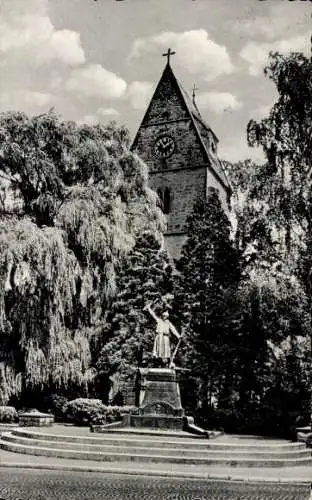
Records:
x=164, y=146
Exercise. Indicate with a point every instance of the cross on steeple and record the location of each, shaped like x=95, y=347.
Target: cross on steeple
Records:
x=168, y=54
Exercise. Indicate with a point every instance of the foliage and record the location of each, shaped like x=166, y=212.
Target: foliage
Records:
x=266, y=420
x=247, y=324
x=274, y=341
x=145, y=277
x=92, y=411
x=205, y=297
x=80, y=191
x=114, y=414
x=8, y=415
x=284, y=181
x=273, y=227
x=251, y=223
x=55, y=404
x=82, y=411
x=283, y=184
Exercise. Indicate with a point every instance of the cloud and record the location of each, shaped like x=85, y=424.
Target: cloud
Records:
x=257, y=54
x=139, y=94
x=11, y=7
x=262, y=111
x=42, y=66
x=276, y=23
x=99, y=116
x=96, y=81
x=218, y=102
x=195, y=51
x=237, y=149
x=107, y=112
x=29, y=101
x=33, y=36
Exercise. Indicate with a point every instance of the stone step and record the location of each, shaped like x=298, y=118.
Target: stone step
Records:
x=158, y=432
x=148, y=458
x=156, y=449
x=150, y=441
x=177, y=434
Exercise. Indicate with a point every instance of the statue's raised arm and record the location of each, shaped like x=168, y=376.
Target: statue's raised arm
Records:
x=150, y=310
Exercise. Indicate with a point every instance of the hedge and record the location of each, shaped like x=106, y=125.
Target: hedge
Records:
x=83, y=411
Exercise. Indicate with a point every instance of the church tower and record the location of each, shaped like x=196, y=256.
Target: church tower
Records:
x=180, y=150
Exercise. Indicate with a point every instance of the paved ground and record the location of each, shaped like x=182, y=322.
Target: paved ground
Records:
x=21, y=484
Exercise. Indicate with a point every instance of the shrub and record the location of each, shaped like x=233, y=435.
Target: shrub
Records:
x=8, y=415
x=55, y=403
x=262, y=421
x=92, y=411
x=114, y=413
x=82, y=411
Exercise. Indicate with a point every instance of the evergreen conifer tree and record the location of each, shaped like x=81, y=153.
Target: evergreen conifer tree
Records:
x=145, y=278
x=205, y=298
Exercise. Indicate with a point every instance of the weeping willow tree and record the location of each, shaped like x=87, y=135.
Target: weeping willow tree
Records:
x=79, y=199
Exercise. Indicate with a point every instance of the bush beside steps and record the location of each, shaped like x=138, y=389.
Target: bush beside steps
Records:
x=8, y=415
x=87, y=412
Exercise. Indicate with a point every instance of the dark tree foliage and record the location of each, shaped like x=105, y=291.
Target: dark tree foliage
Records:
x=145, y=278
x=272, y=205
x=205, y=297
x=274, y=345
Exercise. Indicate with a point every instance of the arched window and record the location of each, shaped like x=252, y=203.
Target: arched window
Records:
x=167, y=201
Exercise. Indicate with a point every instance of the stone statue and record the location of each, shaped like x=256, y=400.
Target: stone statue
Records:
x=161, y=349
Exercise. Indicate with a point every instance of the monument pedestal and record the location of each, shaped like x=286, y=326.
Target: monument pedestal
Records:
x=159, y=400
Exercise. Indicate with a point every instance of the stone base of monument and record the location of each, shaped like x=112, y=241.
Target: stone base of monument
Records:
x=35, y=418
x=159, y=408
x=157, y=422
x=159, y=400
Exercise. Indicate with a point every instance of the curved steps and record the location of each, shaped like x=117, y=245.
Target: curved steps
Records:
x=156, y=449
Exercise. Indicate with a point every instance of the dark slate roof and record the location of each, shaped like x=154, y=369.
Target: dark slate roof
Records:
x=199, y=122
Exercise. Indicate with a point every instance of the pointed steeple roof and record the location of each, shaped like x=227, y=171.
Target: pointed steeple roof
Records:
x=202, y=129
x=202, y=126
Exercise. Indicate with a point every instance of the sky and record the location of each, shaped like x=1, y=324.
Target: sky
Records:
x=97, y=61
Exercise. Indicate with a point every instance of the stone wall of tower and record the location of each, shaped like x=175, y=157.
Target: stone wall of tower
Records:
x=188, y=152
x=186, y=186
x=185, y=173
